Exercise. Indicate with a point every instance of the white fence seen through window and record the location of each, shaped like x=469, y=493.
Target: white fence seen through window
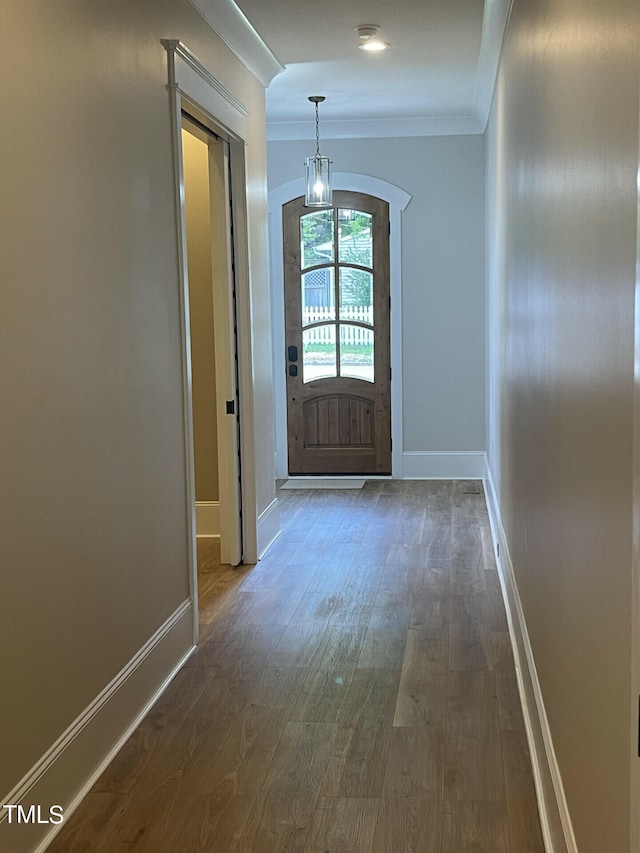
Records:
x=351, y=335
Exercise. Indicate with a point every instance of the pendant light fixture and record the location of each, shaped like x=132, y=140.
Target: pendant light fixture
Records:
x=317, y=170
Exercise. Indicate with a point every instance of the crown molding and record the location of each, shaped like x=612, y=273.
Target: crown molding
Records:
x=377, y=128
x=232, y=26
x=494, y=25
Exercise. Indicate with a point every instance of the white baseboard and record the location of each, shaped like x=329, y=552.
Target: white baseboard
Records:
x=65, y=774
x=268, y=527
x=208, y=518
x=436, y=465
x=281, y=465
x=555, y=820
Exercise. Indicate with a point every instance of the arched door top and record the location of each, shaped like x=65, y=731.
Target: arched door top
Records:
x=397, y=197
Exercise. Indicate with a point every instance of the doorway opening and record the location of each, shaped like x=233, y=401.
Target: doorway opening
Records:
x=208, y=218
x=195, y=95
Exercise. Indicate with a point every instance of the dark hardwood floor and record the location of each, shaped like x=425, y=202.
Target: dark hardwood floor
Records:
x=352, y=693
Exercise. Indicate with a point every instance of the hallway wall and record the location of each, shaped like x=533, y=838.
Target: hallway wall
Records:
x=93, y=502
x=561, y=247
x=443, y=298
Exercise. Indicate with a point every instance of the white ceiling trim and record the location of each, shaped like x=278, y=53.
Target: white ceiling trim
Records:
x=378, y=128
x=494, y=25
x=232, y=26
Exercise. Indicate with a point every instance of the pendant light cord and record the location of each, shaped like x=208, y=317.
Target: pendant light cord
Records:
x=317, y=132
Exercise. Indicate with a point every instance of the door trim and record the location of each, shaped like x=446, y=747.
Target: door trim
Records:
x=225, y=346
x=193, y=88
x=398, y=200
x=635, y=564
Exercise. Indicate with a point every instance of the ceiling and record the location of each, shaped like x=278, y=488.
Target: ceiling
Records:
x=436, y=77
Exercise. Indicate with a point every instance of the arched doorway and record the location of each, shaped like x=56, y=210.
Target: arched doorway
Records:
x=397, y=199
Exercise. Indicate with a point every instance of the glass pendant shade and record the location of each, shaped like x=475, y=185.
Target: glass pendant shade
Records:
x=317, y=170
x=318, y=181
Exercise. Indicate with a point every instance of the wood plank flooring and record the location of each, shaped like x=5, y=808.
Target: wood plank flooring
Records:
x=352, y=693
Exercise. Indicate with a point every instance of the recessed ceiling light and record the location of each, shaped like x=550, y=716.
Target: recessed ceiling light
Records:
x=369, y=39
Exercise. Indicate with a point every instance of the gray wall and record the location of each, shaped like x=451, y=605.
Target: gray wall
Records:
x=93, y=503
x=561, y=190
x=443, y=300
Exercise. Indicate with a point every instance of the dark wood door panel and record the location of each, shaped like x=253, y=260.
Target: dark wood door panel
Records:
x=337, y=420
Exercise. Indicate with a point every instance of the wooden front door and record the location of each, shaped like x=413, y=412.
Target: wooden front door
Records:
x=336, y=268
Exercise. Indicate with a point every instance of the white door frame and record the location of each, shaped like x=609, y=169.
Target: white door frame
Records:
x=635, y=569
x=192, y=87
x=398, y=199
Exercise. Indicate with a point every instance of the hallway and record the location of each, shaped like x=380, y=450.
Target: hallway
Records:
x=352, y=693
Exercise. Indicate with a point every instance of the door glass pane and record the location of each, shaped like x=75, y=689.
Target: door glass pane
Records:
x=356, y=295
x=354, y=237
x=319, y=353
x=318, y=296
x=316, y=238
x=356, y=352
